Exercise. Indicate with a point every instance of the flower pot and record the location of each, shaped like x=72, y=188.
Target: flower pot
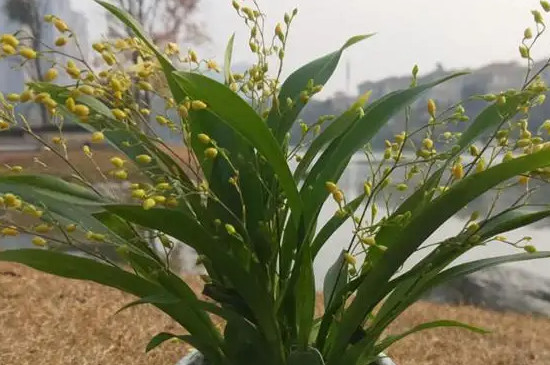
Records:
x=196, y=358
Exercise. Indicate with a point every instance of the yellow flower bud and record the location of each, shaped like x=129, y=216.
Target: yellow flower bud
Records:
x=73, y=72
x=480, y=166
x=149, y=203
x=121, y=174
x=368, y=240
x=458, y=171
x=230, y=229
x=338, y=196
x=9, y=231
x=70, y=227
x=4, y=125
x=81, y=110
x=9, y=50
x=537, y=16
x=530, y=249
x=525, y=142
x=350, y=259
x=523, y=51
x=39, y=241
x=9, y=39
x=212, y=65
x=86, y=89
x=144, y=85
x=331, y=187
x=144, y=159
x=57, y=140
x=528, y=33
x=28, y=53
x=43, y=228
x=97, y=137
x=203, y=138
x=51, y=74
x=171, y=202
x=402, y=187
x=183, y=111
x=119, y=114
x=428, y=143
x=159, y=199
x=13, y=97
x=139, y=193
x=60, y=25
x=61, y=41
x=545, y=5
x=163, y=186
x=108, y=57
x=193, y=56
x=198, y=105
x=431, y=108
x=17, y=169
x=117, y=162
x=474, y=151
x=145, y=111
x=11, y=201
x=162, y=120
x=211, y=153
x=367, y=187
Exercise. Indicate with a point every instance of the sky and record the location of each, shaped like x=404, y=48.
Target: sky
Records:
x=464, y=34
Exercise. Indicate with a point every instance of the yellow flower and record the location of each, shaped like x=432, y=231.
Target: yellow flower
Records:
x=458, y=171
x=28, y=53
x=350, y=259
x=81, y=110
x=163, y=186
x=70, y=104
x=86, y=150
x=97, y=137
x=331, y=187
x=117, y=162
x=51, y=74
x=74, y=72
x=60, y=25
x=159, y=199
x=212, y=65
x=230, y=229
x=198, y=105
x=4, y=125
x=108, y=57
x=43, y=228
x=12, y=201
x=368, y=240
x=9, y=39
x=119, y=114
x=61, y=41
x=9, y=231
x=13, y=97
x=338, y=196
x=211, y=153
x=86, y=89
x=139, y=193
x=121, y=174
x=70, y=227
x=144, y=159
x=9, y=50
x=16, y=169
x=428, y=143
x=432, y=108
x=149, y=203
x=204, y=138
x=162, y=120
x=26, y=96
x=39, y=241
x=183, y=111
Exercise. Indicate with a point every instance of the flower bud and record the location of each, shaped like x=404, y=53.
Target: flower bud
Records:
x=9, y=39
x=17, y=169
x=39, y=241
x=402, y=187
x=43, y=228
x=428, y=143
x=338, y=196
x=61, y=41
x=162, y=120
x=528, y=33
x=331, y=187
x=9, y=231
x=458, y=171
x=537, y=16
x=236, y=5
x=51, y=74
x=204, y=138
x=117, y=161
x=545, y=5
x=4, y=125
x=474, y=151
x=350, y=259
x=143, y=159
x=28, y=53
x=60, y=25
x=70, y=227
x=524, y=51
x=163, y=186
x=149, y=203
x=530, y=249
x=97, y=137
x=13, y=97
x=279, y=32
x=198, y=105
x=81, y=110
x=121, y=174
x=230, y=229
x=211, y=153
x=119, y=114
x=431, y=108
x=368, y=240
x=9, y=50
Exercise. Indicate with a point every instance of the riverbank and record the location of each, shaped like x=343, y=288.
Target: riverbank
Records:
x=54, y=321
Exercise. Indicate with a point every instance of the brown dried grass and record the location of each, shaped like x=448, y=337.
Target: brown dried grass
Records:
x=49, y=320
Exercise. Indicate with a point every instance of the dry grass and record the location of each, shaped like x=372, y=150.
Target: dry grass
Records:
x=53, y=321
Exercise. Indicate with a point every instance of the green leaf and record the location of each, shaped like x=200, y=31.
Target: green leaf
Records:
x=418, y=230
x=333, y=224
x=163, y=298
x=510, y=220
x=390, y=340
x=335, y=279
x=236, y=113
x=282, y=117
x=51, y=187
x=308, y=357
x=162, y=337
x=227, y=59
x=305, y=297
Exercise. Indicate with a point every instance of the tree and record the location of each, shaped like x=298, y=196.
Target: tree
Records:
x=165, y=20
x=27, y=13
